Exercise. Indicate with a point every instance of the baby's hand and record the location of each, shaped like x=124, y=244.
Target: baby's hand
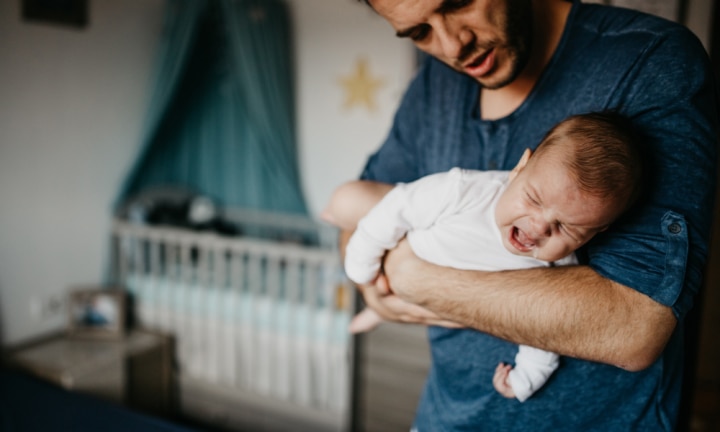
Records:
x=501, y=382
x=365, y=321
x=363, y=259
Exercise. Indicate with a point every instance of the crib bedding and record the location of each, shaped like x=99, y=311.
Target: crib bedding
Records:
x=273, y=346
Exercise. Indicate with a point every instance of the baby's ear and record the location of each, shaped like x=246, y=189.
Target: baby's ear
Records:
x=521, y=164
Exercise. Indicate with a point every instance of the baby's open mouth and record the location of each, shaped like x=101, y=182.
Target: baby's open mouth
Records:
x=520, y=240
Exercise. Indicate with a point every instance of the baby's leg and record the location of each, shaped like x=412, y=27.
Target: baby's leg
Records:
x=533, y=367
x=353, y=200
x=365, y=321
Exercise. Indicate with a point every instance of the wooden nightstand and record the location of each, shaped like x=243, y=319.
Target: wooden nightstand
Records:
x=135, y=370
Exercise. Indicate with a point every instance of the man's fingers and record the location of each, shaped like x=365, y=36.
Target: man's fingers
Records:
x=382, y=285
x=393, y=308
x=388, y=306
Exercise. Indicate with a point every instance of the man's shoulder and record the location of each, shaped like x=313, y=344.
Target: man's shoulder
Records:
x=613, y=22
x=632, y=47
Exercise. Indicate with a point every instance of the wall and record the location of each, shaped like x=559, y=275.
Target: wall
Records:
x=71, y=108
x=334, y=140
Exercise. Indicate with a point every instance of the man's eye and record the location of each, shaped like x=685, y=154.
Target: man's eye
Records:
x=419, y=33
x=449, y=6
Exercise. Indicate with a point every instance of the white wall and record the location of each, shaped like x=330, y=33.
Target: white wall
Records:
x=71, y=110
x=335, y=141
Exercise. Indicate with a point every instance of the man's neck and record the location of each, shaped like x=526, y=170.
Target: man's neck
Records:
x=550, y=17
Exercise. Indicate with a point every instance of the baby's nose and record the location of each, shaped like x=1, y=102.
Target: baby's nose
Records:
x=541, y=228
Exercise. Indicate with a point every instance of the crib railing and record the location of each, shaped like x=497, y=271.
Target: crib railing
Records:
x=250, y=316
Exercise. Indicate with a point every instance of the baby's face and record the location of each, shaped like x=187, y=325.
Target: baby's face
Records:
x=545, y=215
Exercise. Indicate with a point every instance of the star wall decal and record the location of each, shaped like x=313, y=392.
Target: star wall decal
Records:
x=361, y=86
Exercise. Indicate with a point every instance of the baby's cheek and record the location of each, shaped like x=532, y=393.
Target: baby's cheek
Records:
x=560, y=250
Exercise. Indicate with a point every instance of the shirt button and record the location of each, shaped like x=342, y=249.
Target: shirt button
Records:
x=674, y=228
x=492, y=165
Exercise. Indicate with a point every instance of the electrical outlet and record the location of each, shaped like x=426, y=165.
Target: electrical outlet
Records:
x=49, y=307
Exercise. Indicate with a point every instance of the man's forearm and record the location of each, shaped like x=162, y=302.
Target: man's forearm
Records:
x=569, y=310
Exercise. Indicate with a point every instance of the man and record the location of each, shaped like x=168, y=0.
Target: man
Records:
x=503, y=72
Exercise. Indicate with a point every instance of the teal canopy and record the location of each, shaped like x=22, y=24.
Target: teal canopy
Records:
x=221, y=117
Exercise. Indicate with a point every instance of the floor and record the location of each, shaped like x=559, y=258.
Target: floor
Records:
x=395, y=361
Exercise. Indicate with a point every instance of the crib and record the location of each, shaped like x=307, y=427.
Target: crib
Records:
x=259, y=320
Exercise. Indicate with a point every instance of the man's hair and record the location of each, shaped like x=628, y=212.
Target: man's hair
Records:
x=602, y=153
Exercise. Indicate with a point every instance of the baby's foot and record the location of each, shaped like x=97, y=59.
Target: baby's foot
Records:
x=365, y=321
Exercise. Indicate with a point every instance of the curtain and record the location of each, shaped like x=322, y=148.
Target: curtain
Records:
x=221, y=118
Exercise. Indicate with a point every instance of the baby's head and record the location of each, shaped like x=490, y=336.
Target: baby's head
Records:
x=583, y=175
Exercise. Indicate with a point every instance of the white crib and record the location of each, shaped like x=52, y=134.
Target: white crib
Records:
x=260, y=325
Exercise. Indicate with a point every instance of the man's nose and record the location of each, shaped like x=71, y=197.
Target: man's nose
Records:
x=450, y=37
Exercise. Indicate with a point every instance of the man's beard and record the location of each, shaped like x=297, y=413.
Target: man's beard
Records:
x=519, y=34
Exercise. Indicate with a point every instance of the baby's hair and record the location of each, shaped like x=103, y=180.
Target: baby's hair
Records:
x=602, y=152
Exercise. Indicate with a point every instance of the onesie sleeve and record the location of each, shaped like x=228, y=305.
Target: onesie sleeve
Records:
x=533, y=367
x=408, y=206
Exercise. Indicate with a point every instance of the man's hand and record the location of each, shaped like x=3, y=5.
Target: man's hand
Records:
x=379, y=297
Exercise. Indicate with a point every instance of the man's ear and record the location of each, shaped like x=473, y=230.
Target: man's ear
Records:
x=521, y=164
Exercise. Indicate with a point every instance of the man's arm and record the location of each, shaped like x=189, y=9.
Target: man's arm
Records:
x=569, y=310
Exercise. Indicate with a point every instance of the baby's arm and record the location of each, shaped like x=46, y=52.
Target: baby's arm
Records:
x=381, y=215
x=532, y=369
x=351, y=201
x=406, y=207
x=379, y=230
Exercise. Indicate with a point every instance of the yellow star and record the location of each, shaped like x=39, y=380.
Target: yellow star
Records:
x=360, y=87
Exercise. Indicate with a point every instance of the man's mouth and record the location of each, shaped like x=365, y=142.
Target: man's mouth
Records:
x=480, y=64
x=521, y=241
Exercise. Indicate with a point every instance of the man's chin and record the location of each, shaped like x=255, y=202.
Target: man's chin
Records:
x=497, y=79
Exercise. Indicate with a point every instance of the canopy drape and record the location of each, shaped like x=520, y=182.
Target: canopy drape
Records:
x=221, y=121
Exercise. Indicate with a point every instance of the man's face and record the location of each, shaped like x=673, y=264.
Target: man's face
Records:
x=486, y=39
x=543, y=213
